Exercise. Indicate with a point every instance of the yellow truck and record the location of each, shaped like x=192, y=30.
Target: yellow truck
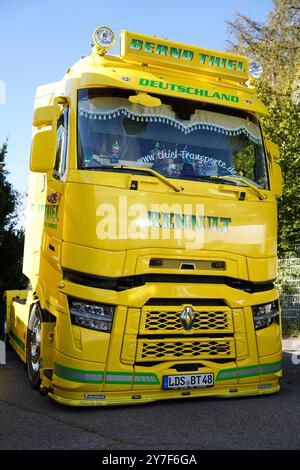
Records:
x=151, y=230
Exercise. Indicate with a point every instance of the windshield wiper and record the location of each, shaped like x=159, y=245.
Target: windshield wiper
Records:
x=233, y=180
x=257, y=191
x=230, y=180
x=140, y=170
x=154, y=173
x=210, y=179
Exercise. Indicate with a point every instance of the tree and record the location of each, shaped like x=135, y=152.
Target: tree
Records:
x=11, y=238
x=276, y=45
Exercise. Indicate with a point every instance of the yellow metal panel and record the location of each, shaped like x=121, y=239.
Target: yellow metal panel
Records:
x=133, y=321
x=47, y=336
x=77, y=338
x=118, y=376
x=34, y=225
x=130, y=335
x=252, y=357
x=90, y=345
x=95, y=261
x=177, y=85
x=151, y=50
x=129, y=349
x=75, y=375
x=269, y=340
x=240, y=334
x=262, y=269
x=245, y=234
x=272, y=367
x=17, y=324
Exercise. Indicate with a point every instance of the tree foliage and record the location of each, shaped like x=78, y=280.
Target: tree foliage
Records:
x=11, y=238
x=276, y=45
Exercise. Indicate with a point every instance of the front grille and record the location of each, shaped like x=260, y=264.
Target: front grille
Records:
x=187, y=349
x=160, y=333
x=207, y=321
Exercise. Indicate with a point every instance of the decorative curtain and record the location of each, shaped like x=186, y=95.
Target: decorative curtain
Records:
x=108, y=108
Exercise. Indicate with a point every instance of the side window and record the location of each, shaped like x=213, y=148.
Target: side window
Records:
x=61, y=146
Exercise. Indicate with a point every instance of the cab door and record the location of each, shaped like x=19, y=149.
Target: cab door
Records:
x=54, y=205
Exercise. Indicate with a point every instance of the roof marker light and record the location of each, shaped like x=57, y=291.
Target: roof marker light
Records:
x=255, y=69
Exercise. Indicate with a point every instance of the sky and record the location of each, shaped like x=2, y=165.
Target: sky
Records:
x=40, y=39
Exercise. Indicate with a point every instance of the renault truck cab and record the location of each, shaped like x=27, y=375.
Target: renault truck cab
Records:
x=151, y=230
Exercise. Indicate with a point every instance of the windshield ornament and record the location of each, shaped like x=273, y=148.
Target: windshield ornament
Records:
x=114, y=155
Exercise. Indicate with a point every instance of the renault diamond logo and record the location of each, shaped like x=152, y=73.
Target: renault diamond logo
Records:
x=187, y=318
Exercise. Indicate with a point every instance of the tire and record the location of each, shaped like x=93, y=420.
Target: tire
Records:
x=33, y=346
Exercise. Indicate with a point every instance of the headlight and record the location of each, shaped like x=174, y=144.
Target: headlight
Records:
x=92, y=315
x=264, y=315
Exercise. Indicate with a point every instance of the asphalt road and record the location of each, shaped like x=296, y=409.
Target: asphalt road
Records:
x=30, y=421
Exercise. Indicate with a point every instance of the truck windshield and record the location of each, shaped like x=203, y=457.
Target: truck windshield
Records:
x=182, y=141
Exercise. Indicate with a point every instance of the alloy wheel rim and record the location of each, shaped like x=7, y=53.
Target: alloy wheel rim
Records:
x=34, y=345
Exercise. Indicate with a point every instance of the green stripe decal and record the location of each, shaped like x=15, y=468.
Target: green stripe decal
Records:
x=78, y=375
x=271, y=368
x=146, y=379
x=136, y=378
x=118, y=378
x=96, y=377
x=17, y=340
x=249, y=371
x=115, y=378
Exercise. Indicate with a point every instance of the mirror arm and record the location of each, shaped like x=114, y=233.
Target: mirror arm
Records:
x=61, y=100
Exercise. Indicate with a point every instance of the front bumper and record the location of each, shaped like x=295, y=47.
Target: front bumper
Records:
x=127, y=366
x=128, y=398
x=86, y=387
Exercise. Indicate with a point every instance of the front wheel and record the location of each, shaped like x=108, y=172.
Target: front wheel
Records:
x=33, y=346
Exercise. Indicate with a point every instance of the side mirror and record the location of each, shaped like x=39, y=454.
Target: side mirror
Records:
x=46, y=116
x=44, y=140
x=273, y=150
x=276, y=181
x=43, y=150
x=276, y=174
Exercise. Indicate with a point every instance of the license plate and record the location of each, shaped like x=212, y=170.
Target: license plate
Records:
x=188, y=381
